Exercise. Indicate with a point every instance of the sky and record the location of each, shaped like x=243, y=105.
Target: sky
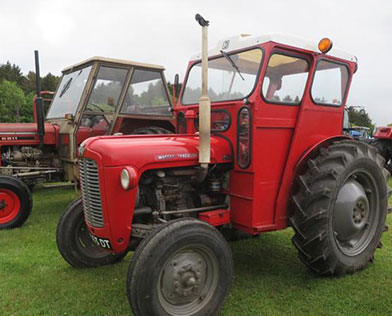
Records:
x=166, y=33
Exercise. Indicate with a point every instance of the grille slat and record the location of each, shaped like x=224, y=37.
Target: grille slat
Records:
x=91, y=192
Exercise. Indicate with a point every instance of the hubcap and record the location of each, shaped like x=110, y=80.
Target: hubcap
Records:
x=356, y=213
x=9, y=205
x=188, y=280
x=351, y=211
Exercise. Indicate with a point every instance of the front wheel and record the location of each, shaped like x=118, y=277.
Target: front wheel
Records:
x=340, y=208
x=16, y=202
x=184, y=267
x=74, y=241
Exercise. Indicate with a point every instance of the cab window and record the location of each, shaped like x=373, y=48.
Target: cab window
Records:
x=146, y=94
x=107, y=89
x=230, y=77
x=330, y=83
x=285, y=79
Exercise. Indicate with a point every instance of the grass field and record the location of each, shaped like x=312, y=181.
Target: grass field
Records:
x=269, y=279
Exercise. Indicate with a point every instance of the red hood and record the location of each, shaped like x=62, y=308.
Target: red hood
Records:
x=140, y=151
x=21, y=128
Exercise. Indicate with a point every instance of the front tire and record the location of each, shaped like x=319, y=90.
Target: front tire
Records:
x=340, y=208
x=16, y=202
x=184, y=267
x=74, y=241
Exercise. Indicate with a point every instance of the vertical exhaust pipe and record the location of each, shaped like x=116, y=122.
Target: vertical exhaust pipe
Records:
x=39, y=102
x=204, y=103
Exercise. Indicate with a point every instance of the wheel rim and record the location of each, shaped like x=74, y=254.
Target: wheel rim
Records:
x=9, y=205
x=86, y=244
x=188, y=280
x=356, y=213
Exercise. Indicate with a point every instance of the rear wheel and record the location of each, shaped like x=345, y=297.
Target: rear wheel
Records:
x=340, y=208
x=75, y=243
x=384, y=148
x=16, y=202
x=183, y=267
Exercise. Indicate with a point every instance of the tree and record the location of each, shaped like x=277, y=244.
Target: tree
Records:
x=11, y=73
x=49, y=82
x=360, y=117
x=26, y=111
x=12, y=100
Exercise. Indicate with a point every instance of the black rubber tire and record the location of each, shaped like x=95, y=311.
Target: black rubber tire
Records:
x=25, y=199
x=314, y=204
x=152, y=254
x=151, y=130
x=73, y=251
x=384, y=148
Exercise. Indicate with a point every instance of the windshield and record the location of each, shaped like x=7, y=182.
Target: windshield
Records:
x=146, y=94
x=228, y=78
x=68, y=94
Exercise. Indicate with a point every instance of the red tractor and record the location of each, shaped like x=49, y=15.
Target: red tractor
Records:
x=383, y=143
x=269, y=154
x=98, y=96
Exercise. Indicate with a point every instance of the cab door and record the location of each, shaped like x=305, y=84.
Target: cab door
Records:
x=280, y=94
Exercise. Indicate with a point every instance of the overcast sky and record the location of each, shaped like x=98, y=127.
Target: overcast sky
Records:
x=165, y=32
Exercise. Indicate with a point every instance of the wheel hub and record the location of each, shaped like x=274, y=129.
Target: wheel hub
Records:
x=183, y=278
x=2, y=205
x=351, y=211
x=9, y=205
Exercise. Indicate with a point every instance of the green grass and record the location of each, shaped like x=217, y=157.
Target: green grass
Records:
x=268, y=280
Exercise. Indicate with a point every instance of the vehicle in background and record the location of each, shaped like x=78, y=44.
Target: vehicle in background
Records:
x=99, y=96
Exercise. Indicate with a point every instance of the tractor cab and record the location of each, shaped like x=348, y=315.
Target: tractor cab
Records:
x=96, y=97
x=274, y=97
x=102, y=96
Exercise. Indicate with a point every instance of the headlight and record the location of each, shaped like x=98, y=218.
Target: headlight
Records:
x=125, y=179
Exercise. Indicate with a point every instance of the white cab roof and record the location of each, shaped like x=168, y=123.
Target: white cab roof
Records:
x=115, y=61
x=246, y=40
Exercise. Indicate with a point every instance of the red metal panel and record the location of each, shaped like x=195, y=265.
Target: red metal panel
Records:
x=216, y=217
x=241, y=197
x=384, y=132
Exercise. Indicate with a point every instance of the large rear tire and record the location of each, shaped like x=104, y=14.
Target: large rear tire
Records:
x=384, y=148
x=16, y=202
x=74, y=241
x=340, y=208
x=184, y=267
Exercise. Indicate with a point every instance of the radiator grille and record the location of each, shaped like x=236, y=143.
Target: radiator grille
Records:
x=91, y=193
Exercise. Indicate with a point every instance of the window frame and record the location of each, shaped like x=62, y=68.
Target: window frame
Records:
x=289, y=54
x=169, y=114
x=198, y=61
x=196, y=120
x=245, y=166
x=344, y=97
x=94, y=82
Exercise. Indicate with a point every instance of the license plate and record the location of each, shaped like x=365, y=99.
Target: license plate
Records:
x=102, y=242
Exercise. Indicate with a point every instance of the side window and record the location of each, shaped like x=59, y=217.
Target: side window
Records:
x=330, y=83
x=107, y=89
x=285, y=79
x=220, y=121
x=146, y=94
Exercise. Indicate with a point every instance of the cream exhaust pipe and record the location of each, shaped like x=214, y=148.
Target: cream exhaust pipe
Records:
x=204, y=101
